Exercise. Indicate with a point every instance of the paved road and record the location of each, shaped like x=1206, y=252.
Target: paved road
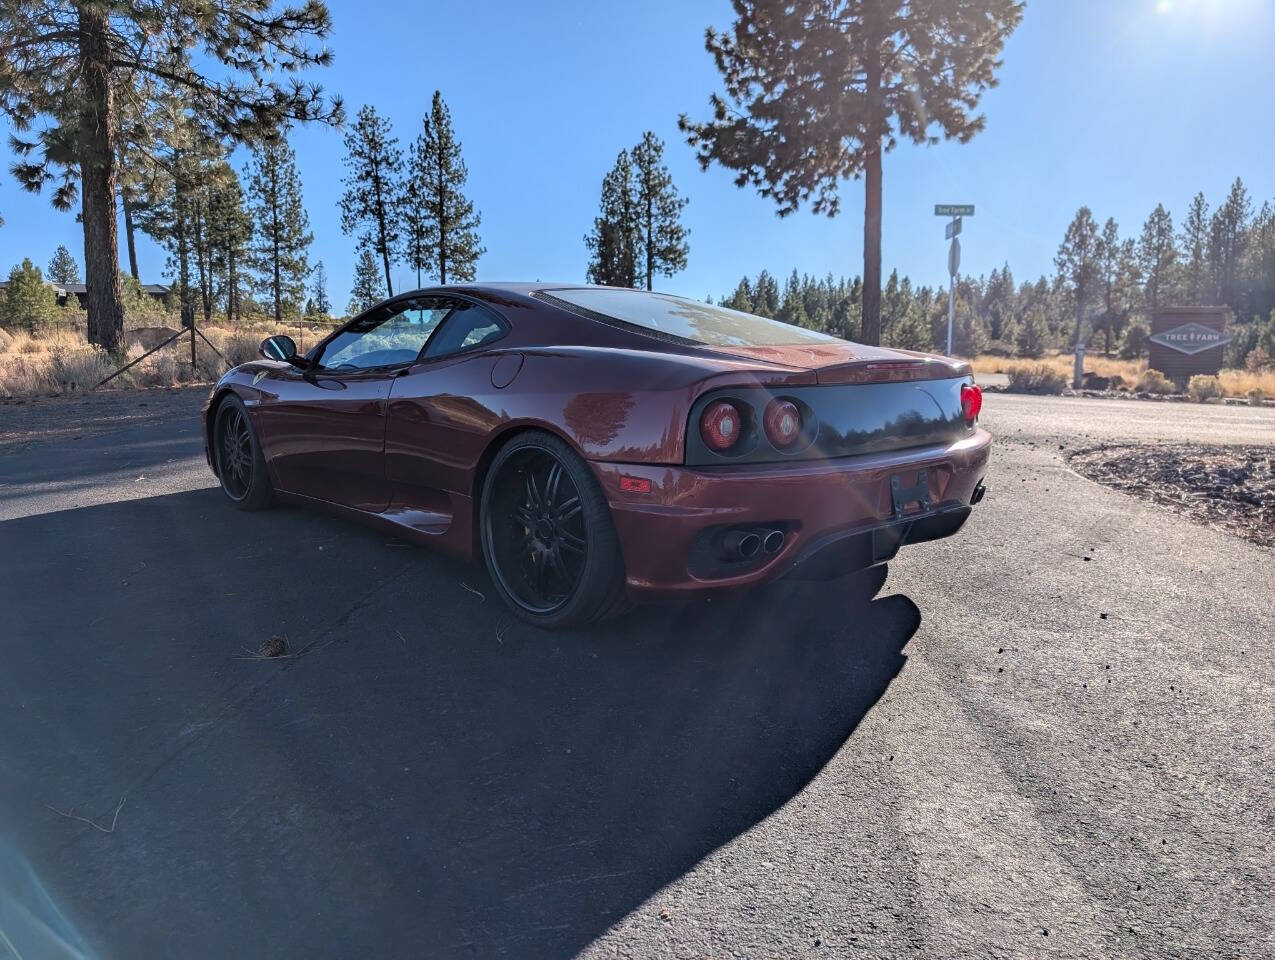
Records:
x=1049, y=735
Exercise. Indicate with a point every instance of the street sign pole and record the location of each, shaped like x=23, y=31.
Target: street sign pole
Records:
x=956, y=211
x=953, y=265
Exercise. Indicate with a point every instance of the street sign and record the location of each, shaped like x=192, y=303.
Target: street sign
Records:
x=953, y=228
x=954, y=209
x=954, y=257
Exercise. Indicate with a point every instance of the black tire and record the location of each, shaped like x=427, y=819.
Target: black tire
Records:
x=547, y=536
x=241, y=467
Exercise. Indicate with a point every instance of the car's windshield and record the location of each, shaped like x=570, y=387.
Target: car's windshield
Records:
x=703, y=323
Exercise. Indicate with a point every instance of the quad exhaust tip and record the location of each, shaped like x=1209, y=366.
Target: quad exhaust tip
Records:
x=741, y=545
x=745, y=544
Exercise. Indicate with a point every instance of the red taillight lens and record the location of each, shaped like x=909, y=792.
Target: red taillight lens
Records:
x=783, y=422
x=720, y=425
x=971, y=402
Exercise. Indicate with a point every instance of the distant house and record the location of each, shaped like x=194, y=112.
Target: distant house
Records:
x=156, y=291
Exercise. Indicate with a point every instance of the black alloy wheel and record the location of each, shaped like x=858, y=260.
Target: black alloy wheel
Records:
x=547, y=534
x=241, y=468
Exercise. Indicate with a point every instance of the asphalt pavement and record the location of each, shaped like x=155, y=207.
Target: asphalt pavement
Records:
x=1051, y=734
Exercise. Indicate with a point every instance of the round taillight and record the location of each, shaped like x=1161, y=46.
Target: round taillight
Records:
x=721, y=425
x=783, y=422
x=971, y=402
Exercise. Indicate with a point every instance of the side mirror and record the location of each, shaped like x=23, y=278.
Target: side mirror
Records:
x=279, y=348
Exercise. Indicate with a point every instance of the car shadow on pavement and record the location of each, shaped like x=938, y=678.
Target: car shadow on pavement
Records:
x=422, y=775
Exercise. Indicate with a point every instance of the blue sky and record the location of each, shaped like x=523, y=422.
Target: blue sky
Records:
x=1117, y=104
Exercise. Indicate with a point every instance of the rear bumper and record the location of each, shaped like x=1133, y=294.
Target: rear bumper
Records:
x=837, y=515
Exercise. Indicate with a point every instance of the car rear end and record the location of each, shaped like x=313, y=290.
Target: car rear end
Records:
x=814, y=480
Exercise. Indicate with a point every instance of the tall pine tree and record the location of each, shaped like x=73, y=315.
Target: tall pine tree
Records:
x=1158, y=258
x=282, y=237
x=443, y=225
x=1077, y=263
x=319, y=299
x=1195, y=248
x=1228, y=243
x=818, y=90
x=616, y=235
x=229, y=233
x=371, y=204
x=662, y=236
x=232, y=64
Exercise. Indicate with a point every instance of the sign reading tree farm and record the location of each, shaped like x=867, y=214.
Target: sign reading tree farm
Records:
x=1187, y=340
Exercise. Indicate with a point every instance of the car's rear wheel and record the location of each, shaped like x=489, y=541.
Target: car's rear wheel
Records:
x=547, y=535
x=241, y=467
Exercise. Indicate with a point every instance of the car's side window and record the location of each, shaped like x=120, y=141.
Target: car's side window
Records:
x=388, y=337
x=468, y=326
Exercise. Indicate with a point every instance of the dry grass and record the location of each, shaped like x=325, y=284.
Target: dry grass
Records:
x=1240, y=383
x=1062, y=363
x=61, y=361
x=1234, y=383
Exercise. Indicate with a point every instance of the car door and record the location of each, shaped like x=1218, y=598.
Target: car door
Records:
x=442, y=410
x=324, y=426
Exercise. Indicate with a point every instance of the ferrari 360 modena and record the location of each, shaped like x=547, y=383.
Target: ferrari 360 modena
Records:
x=595, y=446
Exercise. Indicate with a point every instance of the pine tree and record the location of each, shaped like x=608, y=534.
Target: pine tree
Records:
x=229, y=233
x=818, y=90
x=616, y=235
x=372, y=201
x=791, y=308
x=1158, y=257
x=282, y=237
x=64, y=66
x=662, y=236
x=1033, y=333
x=1077, y=263
x=1195, y=247
x=742, y=298
x=1228, y=241
x=368, y=289
x=766, y=295
x=28, y=301
x=321, y=305
x=62, y=268
x=443, y=232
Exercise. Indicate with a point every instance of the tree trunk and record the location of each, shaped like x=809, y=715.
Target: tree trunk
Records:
x=275, y=230
x=130, y=233
x=871, y=330
x=104, y=296
x=442, y=222
x=650, y=225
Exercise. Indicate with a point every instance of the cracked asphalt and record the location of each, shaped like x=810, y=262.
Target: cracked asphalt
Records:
x=1050, y=735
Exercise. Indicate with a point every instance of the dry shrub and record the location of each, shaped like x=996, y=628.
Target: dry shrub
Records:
x=1203, y=387
x=1036, y=378
x=21, y=376
x=240, y=348
x=1255, y=397
x=80, y=369
x=1153, y=381
x=1063, y=363
x=5, y=340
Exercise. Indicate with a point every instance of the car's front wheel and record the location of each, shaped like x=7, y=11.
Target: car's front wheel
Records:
x=241, y=467
x=547, y=535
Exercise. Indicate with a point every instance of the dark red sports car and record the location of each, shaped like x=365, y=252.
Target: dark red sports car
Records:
x=597, y=445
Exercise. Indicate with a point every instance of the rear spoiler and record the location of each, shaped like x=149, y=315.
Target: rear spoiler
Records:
x=892, y=371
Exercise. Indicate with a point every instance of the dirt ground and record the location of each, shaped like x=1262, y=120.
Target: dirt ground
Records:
x=78, y=415
x=1232, y=488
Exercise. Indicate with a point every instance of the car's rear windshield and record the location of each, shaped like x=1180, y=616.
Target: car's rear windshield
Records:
x=688, y=319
